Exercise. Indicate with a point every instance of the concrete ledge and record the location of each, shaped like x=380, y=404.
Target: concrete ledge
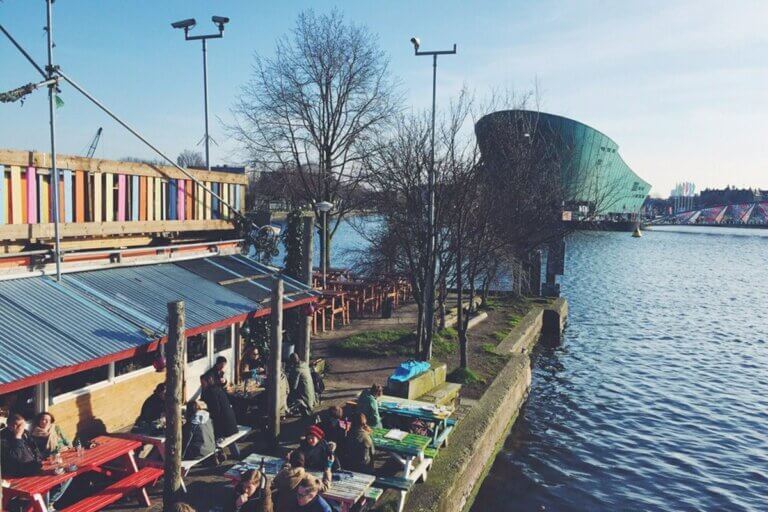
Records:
x=524, y=335
x=474, y=442
x=418, y=385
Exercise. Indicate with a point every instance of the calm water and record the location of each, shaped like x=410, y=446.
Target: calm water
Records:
x=657, y=399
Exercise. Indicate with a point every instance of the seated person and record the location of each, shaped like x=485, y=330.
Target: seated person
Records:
x=20, y=456
x=252, y=493
x=308, y=497
x=318, y=453
x=368, y=404
x=197, y=437
x=301, y=388
x=333, y=425
x=47, y=436
x=154, y=407
x=359, y=450
x=288, y=479
x=251, y=362
x=222, y=414
x=48, y=440
x=219, y=371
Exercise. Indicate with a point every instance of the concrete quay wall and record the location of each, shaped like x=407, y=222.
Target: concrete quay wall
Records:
x=460, y=467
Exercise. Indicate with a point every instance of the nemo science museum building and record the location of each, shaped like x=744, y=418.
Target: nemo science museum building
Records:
x=596, y=181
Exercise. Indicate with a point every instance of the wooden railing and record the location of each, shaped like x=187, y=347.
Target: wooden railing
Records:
x=105, y=198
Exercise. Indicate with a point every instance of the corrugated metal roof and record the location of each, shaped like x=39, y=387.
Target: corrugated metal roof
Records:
x=44, y=326
x=220, y=269
x=142, y=293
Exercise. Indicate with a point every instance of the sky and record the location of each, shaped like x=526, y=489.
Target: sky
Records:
x=681, y=86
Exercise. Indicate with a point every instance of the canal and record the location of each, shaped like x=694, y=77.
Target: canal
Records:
x=657, y=398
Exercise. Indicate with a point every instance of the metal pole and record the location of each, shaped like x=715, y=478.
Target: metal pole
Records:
x=205, y=94
x=431, y=228
x=52, y=118
x=306, y=326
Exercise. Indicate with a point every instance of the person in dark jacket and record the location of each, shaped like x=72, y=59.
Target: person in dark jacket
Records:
x=222, y=414
x=219, y=372
x=333, y=425
x=308, y=497
x=198, y=439
x=301, y=388
x=359, y=450
x=318, y=453
x=20, y=456
x=252, y=493
x=154, y=407
x=368, y=404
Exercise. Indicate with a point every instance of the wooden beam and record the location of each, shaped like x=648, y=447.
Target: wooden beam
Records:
x=38, y=159
x=227, y=282
x=73, y=229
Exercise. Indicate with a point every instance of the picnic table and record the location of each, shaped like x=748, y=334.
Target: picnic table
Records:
x=409, y=451
x=346, y=491
x=108, y=453
x=425, y=411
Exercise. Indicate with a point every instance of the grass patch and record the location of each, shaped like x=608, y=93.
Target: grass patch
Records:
x=444, y=342
x=490, y=304
x=513, y=320
x=464, y=376
x=500, y=335
x=489, y=348
x=396, y=342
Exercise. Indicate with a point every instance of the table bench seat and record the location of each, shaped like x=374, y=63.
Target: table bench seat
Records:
x=401, y=485
x=112, y=494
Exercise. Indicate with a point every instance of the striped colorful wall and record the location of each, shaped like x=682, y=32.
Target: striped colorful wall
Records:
x=26, y=197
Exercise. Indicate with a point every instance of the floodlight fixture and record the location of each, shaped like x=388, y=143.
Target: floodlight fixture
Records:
x=416, y=43
x=185, y=24
x=220, y=21
x=324, y=206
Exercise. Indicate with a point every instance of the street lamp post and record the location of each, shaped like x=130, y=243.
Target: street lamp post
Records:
x=429, y=291
x=325, y=207
x=187, y=24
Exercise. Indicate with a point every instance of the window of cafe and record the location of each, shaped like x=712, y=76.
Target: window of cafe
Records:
x=78, y=380
x=197, y=347
x=222, y=340
x=135, y=363
x=17, y=402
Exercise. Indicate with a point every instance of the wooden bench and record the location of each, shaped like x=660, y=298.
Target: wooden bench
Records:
x=442, y=438
x=187, y=465
x=112, y=494
x=401, y=485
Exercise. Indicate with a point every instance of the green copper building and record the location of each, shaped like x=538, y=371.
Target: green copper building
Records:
x=594, y=177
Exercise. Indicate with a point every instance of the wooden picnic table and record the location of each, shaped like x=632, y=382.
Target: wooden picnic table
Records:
x=346, y=491
x=409, y=452
x=108, y=450
x=415, y=409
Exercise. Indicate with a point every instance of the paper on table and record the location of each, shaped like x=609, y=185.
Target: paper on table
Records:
x=396, y=434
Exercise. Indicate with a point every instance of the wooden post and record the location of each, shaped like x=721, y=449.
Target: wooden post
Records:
x=174, y=379
x=275, y=356
x=305, y=331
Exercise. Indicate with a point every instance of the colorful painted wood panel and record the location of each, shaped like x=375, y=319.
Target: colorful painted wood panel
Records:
x=215, y=202
x=15, y=195
x=181, y=198
x=142, y=198
x=79, y=199
x=98, y=184
x=69, y=214
x=109, y=197
x=3, y=192
x=43, y=199
x=189, y=188
x=121, y=197
x=31, y=195
x=134, y=198
x=150, y=198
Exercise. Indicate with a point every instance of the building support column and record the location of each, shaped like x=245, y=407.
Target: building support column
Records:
x=305, y=321
x=275, y=356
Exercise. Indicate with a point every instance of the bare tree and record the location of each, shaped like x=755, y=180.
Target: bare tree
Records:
x=316, y=109
x=189, y=158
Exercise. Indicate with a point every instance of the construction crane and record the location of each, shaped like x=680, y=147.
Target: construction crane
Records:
x=94, y=143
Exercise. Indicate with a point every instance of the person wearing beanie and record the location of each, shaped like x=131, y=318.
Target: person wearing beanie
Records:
x=318, y=453
x=288, y=479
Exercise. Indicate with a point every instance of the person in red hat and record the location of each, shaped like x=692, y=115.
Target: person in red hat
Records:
x=318, y=453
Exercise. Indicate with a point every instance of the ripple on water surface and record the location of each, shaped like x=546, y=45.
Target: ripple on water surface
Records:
x=657, y=399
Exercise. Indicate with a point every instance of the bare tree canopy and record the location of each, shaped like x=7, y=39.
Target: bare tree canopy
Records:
x=317, y=108
x=189, y=158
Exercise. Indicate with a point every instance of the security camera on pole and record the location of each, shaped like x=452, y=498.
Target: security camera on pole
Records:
x=429, y=290
x=187, y=24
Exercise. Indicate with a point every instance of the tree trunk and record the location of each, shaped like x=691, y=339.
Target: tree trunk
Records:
x=174, y=379
x=443, y=297
x=460, y=325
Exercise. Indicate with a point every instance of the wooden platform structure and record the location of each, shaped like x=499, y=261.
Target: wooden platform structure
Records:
x=102, y=201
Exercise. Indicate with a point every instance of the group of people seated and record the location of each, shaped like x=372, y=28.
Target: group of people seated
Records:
x=23, y=448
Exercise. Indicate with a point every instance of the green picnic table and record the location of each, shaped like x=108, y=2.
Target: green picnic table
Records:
x=425, y=411
x=408, y=451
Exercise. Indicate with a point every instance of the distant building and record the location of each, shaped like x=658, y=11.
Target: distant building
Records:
x=593, y=173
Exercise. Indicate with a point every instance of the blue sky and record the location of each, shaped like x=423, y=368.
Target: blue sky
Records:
x=681, y=86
